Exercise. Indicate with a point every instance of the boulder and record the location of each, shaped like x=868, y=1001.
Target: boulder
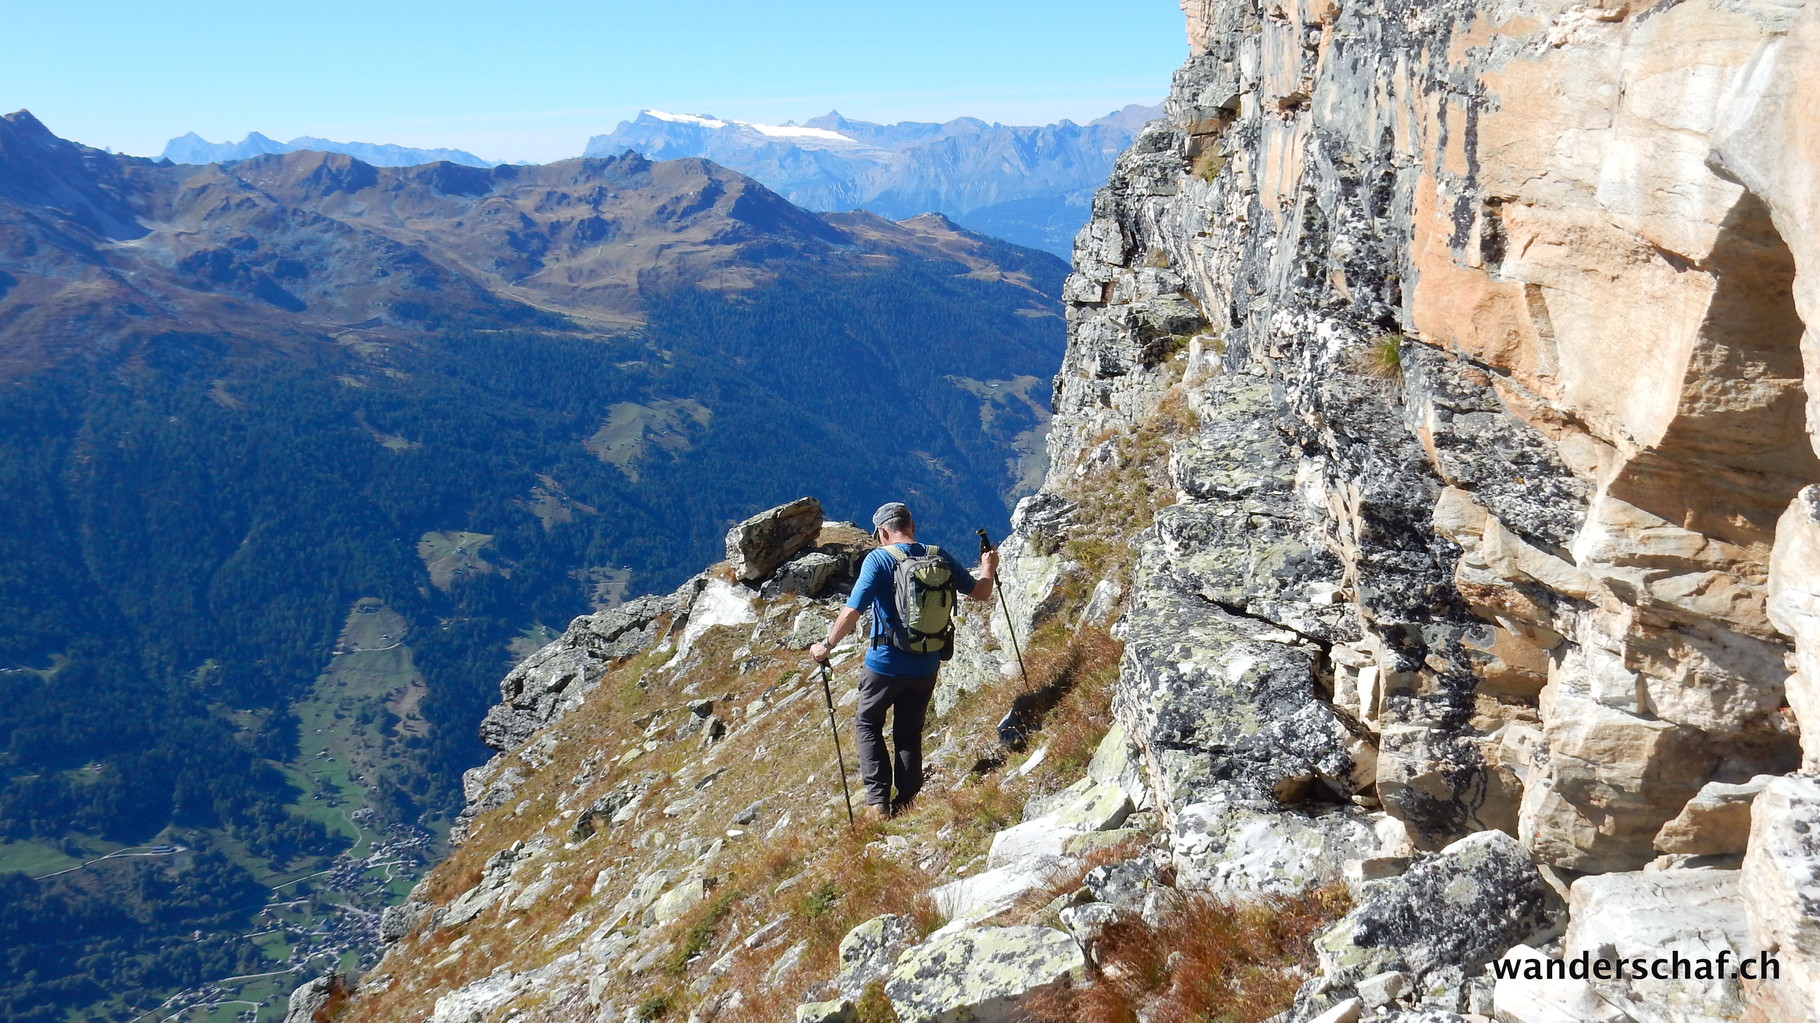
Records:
x=1129, y=886
x=1086, y=922
x=806, y=575
x=1517, y=1000
x=758, y=545
x=868, y=952
x=1716, y=822
x=1256, y=846
x=988, y=893
x=397, y=922
x=1226, y=707
x=980, y=975
x=1652, y=913
x=1780, y=884
x=1383, y=988
x=1460, y=908
x=838, y=1010
x=1094, y=806
x=677, y=901
x=1114, y=762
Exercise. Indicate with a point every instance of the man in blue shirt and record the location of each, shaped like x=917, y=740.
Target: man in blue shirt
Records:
x=895, y=680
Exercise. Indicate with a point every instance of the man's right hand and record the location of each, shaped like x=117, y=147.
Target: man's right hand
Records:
x=820, y=652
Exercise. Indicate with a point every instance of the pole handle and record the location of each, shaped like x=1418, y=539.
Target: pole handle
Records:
x=985, y=544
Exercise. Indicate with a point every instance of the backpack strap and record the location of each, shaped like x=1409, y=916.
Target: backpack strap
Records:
x=881, y=631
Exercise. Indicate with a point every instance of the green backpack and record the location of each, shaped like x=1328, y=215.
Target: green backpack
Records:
x=925, y=594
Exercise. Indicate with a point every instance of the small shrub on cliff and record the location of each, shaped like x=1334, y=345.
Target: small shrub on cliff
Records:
x=1206, y=961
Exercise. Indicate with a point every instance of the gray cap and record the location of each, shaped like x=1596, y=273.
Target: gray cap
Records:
x=887, y=512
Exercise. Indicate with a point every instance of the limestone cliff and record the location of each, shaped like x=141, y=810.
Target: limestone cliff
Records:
x=1435, y=435
x=1523, y=288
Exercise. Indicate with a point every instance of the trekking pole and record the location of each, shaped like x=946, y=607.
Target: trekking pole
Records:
x=828, y=695
x=986, y=545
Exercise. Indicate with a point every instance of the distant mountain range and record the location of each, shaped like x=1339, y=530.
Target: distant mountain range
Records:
x=1029, y=185
x=296, y=453
x=193, y=148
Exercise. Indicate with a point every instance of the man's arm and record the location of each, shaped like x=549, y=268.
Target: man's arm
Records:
x=982, y=589
x=843, y=624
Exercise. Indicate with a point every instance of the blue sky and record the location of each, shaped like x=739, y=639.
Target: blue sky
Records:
x=533, y=82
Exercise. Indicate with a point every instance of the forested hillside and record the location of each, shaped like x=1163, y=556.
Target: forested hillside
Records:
x=267, y=556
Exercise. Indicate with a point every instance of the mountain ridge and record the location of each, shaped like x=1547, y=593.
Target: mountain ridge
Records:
x=1031, y=184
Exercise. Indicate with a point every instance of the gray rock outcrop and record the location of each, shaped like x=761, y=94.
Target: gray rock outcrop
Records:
x=980, y=975
x=758, y=545
x=560, y=675
x=314, y=1001
x=1456, y=910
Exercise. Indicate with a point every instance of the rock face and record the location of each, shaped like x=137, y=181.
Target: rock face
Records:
x=1492, y=516
x=1781, y=888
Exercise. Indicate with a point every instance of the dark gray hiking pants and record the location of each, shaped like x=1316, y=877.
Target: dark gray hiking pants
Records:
x=907, y=698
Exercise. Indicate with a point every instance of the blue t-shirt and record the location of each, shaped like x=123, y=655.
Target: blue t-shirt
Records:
x=875, y=590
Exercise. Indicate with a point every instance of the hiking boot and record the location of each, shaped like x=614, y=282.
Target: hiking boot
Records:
x=880, y=811
x=902, y=805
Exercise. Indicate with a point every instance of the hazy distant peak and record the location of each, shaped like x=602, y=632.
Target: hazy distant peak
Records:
x=1130, y=117
x=192, y=148
x=1029, y=184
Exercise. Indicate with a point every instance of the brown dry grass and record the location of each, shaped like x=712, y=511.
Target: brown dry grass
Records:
x=1207, y=961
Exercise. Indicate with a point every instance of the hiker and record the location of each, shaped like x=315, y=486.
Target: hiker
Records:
x=899, y=674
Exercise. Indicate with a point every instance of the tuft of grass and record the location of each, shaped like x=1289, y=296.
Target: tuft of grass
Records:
x=872, y=1005
x=1207, y=960
x=970, y=813
x=858, y=881
x=815, y=904
x=1382, y=357
x=1208, y=165
x=655, y=1006
x=701, y=932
